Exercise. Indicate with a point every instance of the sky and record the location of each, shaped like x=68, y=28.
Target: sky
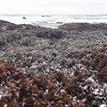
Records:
x=53, y=7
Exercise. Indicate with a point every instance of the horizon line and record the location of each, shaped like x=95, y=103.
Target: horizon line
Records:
x=48, y=14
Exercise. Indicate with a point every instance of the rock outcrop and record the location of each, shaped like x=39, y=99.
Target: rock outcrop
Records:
x=5, y=25
x=83, y=26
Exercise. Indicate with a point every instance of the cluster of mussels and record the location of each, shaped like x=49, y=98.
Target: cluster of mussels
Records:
x=57, y=88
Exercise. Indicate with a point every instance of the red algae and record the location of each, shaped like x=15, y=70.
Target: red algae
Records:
x=56, y=89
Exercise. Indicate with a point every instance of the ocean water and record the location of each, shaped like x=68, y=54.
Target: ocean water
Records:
x=53, y=21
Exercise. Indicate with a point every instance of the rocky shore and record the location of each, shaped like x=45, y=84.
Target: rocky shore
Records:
x=44, y=67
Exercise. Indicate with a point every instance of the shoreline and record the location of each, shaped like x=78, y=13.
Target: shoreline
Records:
x=52, y=21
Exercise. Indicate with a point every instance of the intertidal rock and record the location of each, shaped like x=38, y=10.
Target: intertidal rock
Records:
x=4, y=25
x=82, y=26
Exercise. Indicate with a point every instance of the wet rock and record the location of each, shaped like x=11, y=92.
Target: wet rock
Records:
x=24, y=17
x=82, y=26
x=5, y=25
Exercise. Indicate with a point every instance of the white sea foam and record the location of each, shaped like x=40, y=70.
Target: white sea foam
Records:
x=54, y=21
